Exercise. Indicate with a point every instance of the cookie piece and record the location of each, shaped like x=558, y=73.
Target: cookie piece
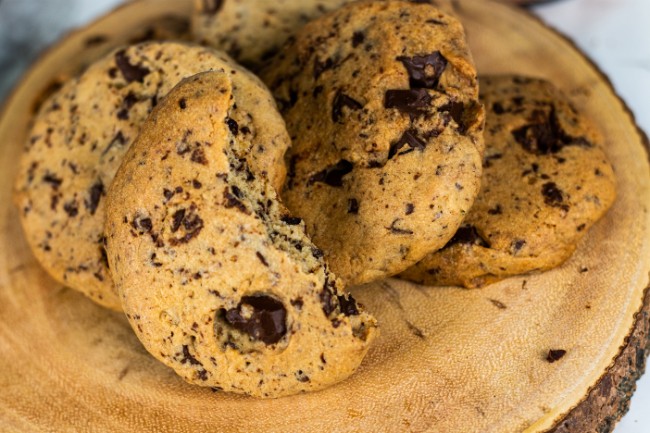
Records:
x=381, y=102
x=220, y=282
x=546, y=181
x=253, y=31
x=81, y=134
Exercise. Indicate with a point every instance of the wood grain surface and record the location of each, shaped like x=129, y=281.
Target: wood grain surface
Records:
x=448, y=360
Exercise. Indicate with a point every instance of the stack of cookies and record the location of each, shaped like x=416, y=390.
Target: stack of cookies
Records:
x=225, y=211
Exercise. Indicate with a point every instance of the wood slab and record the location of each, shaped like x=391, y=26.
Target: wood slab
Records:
x=448, y=360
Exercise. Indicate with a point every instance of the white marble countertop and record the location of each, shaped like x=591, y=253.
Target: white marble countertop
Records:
x=614, y=33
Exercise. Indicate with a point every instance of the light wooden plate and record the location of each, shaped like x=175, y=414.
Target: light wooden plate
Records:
x=448, y=360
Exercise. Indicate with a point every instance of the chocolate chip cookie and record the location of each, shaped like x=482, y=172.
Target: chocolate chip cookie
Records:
x=546, y=181
x=81, y=133
x=218, y=281
x=252, y=31
x=381, y=102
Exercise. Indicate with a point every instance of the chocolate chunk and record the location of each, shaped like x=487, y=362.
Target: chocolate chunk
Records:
x=320, y=67
x=142, y=224
x=333, y=175
x=410, y=208
x=467, y=235
x=301, y=376
x=182, y=103
x=546, y=136
x=353, y=206
x=71, y=208
x=211, y=7
x=497, y=108
x=517, y=245
x=177, y=220
x=130, y=72
x=327, y=299
x=54, y=181
x=348, y=305
x=188, y=358
x=357, y=39
x=189, y=221
x=553, y=195
x=233, y=126
x=555, y=355
x=266, y=322
x=342, y=100
x=94, y=196
x=410, y=101
x=424, y=71
x=398, y=231
x=198, y=156
x=495, y=210
x=262, y=259
x=232, y=200
x=292, y=221
x=409, y=138
x=456, y=111
x=196, y=184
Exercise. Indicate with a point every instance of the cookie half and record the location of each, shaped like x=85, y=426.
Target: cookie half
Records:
x=381, y=102
x=219, y=282
x=81, y=133
x=546, y=181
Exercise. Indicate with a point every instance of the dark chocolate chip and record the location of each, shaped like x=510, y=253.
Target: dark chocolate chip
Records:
x=327, y=299
x=410, y=101
x=348, y=305
x=553, y=195
x=333, y=175
x=555, y=355
x=177, y=220
x=342, y=100
x=289, y=220
x=456, y=111
x=262, y=259
x=353, y=206
x=357, y=39
x=142, y=224
x=71, y=208
x=410, y=208
x=130, y=72
x=54, y=181
x=94, y=196
x=196, y=184
x=198, y=156
x=182, y=103
x=320, y=67
x=546, y=136
x=409, y=138
x=424, y=71
x=467, y=235
x=266, y=323
x=233, y=126
x=497, y=108
x=517, y=245
x=232, y=200
x=188, y=358
x=398, y=231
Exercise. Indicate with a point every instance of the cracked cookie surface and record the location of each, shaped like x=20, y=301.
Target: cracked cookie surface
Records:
x=81, y=133
x=381, y=102
x=546, y=181
x=219, y=282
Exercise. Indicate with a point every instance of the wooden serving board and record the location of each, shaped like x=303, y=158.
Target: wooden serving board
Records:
x=448, y=360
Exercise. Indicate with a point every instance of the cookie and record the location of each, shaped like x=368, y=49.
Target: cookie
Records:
x=546, y=181
x=219, y=282
x=253, y=31
x=81, y=133
x=381, y=102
